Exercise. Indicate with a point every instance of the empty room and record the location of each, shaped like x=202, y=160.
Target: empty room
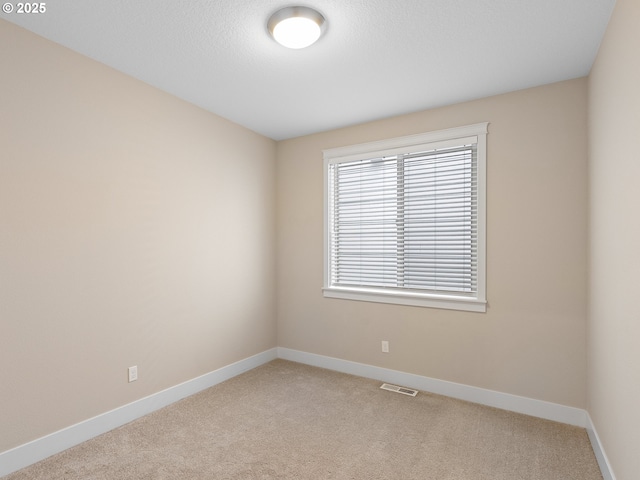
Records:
x=402, y=244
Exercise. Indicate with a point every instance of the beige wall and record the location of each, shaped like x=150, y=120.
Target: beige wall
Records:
x=614, y=313
x=532, y=340
x=135, y=229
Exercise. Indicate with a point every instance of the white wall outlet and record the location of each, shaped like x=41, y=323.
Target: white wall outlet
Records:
x=385, y=346
x=133, y=373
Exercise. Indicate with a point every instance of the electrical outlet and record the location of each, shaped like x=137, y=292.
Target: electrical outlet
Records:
x=133, y=373
x=385, y=346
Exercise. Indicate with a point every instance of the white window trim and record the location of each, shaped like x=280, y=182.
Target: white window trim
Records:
x=393, y=146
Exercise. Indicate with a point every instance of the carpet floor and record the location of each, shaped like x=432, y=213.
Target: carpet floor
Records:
x=285, y=420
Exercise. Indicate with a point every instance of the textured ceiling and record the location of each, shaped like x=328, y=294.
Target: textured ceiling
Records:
x=378, y=58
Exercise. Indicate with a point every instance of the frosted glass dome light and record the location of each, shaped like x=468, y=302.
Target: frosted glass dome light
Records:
x=296, y=27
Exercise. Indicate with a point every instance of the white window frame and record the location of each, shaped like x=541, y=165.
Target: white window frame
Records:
x=475, y=133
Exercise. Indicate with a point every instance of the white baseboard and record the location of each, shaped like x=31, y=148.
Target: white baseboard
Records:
x=505, y=401
x=36, y=450
x=598, y=449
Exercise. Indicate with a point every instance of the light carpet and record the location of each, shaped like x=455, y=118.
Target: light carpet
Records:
x=285, y=420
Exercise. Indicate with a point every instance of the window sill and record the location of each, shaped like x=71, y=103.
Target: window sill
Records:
x=448, y=302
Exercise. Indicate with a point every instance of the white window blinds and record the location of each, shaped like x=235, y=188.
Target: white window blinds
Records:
x=405, y=222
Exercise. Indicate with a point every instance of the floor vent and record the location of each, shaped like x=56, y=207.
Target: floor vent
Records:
x=403, y=390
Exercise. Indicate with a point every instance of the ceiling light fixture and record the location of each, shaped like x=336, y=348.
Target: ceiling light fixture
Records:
x=296, y=27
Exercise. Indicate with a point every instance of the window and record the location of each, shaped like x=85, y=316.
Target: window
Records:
x=405, y=220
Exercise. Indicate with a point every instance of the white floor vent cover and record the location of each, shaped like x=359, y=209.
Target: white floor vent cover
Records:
x=397, y=389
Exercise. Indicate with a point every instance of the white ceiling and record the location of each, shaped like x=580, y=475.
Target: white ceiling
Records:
x=378, y=58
